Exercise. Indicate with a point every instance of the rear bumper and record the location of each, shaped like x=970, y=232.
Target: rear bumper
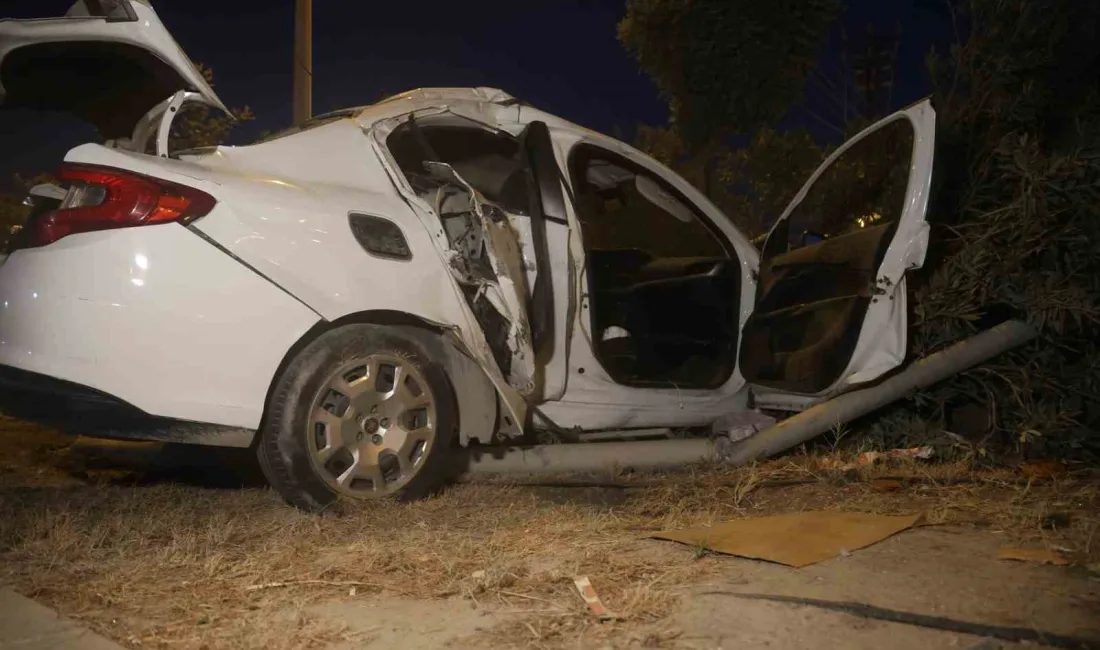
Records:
x=81, y=410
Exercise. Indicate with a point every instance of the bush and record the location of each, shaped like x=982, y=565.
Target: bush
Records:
x=1016, y=230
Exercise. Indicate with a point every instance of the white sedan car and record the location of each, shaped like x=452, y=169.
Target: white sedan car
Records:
x=360, y=296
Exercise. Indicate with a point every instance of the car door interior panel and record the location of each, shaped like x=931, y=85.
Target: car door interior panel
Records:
x=818, y=270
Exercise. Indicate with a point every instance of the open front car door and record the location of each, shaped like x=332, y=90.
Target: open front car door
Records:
x=830, y=306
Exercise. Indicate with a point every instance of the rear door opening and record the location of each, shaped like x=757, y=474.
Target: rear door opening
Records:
x=502, y=232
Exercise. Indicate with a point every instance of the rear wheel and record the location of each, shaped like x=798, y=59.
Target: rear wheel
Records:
x=359, y=413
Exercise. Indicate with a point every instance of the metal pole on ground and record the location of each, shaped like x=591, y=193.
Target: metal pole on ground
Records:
x=795, y=430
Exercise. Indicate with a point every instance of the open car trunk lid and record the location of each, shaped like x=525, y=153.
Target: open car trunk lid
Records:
x=106, y=61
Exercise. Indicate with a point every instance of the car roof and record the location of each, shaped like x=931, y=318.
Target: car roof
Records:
x=406, y=101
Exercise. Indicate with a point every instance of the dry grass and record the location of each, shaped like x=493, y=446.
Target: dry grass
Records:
x=163, y=565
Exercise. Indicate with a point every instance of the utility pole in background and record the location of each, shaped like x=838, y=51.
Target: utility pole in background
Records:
x=875, y=67
x=303, y=60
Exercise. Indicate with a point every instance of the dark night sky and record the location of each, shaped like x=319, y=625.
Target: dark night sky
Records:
x=559, y=55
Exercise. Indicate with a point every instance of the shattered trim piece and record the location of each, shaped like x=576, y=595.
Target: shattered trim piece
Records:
x=506, y=290
x=592, y=599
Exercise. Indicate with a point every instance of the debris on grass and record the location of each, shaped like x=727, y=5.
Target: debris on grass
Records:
x=1033, y=555
x=886, y=484
x=873, y=458
x=742, y=424
x=1041, y=469
x=919, y=453
x=1056, y=521
x=142, y=561
x=354, y=584
x=592, y=599
x=798, y=539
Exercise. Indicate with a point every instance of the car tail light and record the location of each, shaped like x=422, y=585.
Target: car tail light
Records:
x=103, y=198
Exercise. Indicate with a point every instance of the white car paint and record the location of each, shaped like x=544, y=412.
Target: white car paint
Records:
x=154, y=316
x=591, y=399
x=295, y=232
x=193, y=322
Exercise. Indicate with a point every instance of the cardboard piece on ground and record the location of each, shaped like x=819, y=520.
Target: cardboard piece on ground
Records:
x=798, y=539
x=1036, y=555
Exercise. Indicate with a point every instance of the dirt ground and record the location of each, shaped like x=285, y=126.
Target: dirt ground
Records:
x=185, y=548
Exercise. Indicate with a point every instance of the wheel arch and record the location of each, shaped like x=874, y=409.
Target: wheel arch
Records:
x=479, y=410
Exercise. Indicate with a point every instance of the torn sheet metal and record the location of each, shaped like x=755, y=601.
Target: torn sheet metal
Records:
x=487, y=260
x=514, y=386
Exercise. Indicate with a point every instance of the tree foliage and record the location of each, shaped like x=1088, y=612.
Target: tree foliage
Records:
x=664, y=144
x=726, y=66
x=1016, y=225
x=730, y=67
x=760, y=179
x=752, y=184
x=1015, y=209
x=201, y=126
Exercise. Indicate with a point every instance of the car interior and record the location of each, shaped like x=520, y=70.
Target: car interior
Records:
x=819, y=266
x=663, y=286
x=492, y=163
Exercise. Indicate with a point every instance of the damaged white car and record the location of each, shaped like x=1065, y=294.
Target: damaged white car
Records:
x=360, y=297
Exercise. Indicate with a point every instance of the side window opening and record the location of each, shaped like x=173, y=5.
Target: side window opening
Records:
x=492, y=163
x=862, y=189
x=623, y=209
x=663, y=285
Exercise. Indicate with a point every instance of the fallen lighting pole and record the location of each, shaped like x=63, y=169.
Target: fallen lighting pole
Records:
x=795, y=430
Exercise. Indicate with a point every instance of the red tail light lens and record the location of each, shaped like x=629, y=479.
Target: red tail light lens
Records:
x=103, y=198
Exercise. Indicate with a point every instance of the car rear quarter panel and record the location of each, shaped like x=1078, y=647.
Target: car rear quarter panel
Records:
x=283, y=210
x=154, y=316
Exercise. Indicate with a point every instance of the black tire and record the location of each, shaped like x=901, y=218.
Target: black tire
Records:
x=285, y=457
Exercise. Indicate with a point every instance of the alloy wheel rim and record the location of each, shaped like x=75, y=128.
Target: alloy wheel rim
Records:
x=371, y=426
